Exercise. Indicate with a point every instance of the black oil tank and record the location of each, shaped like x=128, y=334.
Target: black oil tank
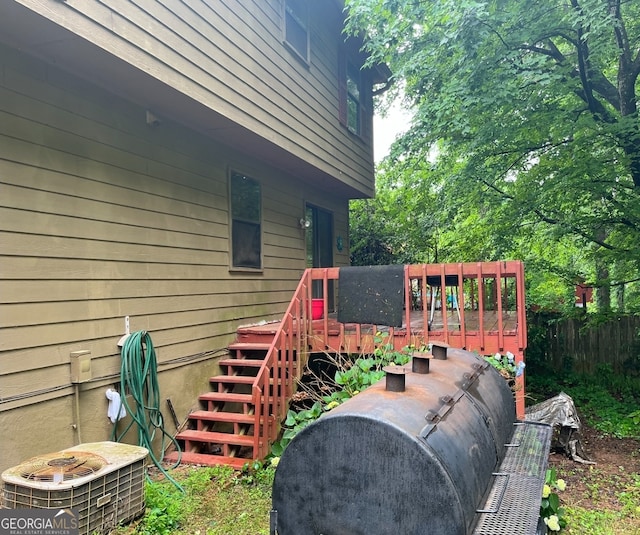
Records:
x=387, y=462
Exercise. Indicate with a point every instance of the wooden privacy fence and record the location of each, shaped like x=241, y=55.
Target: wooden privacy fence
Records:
x=615, y=343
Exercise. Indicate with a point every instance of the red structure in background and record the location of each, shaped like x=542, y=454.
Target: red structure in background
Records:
x=584, y=295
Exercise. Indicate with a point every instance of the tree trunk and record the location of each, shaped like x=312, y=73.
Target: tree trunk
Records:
x=603, y=291
x=620, y=298
x=627, y=76
x=603, y=288
x=629, y=134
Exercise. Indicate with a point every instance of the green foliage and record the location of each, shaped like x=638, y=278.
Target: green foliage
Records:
x=607, y=401
x=505, y=364
x=216, y=501
x=352, y=375
x=164, y=510
x=598, y=522
x=168, y=506
x=524, y=141
x=294, y=423
x=370, y=240
x=630, y=498
x=199, y=480
x=257, y=473
x=366, y=371
x=550, y=510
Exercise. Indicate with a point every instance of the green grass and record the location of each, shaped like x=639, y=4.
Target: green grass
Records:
x=216, y=501
x=582, y=521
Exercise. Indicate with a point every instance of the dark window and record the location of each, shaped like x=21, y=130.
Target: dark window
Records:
x=353, y=99
x=352, y=103
x=246, y=222
x=296, y=28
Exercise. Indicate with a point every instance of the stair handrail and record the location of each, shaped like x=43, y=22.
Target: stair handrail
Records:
x=290, y=338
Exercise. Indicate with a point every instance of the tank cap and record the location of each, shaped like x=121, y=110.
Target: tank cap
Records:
x=420, y=363
x=431, y=416
x=439, y=350
x=395, y=378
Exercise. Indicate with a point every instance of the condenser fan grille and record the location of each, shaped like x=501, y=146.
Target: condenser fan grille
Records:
x=63, y=466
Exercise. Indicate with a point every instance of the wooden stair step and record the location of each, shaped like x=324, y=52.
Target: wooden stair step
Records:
x=267, y=329
x=241, y=363
x=205, y=459
x=235, y=379
x=212, y=437
x=249, y=346
x=230, y=397
x=222, y=416
x=226, y=397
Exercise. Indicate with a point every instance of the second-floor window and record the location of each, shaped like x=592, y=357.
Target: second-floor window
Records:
x=352, y=99
x=246, y=222
x=354, y=104
x=296, y=33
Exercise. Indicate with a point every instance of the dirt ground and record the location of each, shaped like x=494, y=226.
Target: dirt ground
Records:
x=598, y=486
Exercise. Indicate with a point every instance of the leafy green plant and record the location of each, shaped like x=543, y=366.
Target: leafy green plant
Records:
x=630, y=498
x=168, y=506
x=352, y=375
x=216, y=501
x=257, y=472
x=368, y=370
x=594, y=522
x=550, y=510
x=164, y=509
x=505, y=364
x=198, y=481
x=363, y=373
x=295, y=422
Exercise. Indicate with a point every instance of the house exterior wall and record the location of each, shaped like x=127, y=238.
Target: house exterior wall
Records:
x=103, y=216
x=227, y=57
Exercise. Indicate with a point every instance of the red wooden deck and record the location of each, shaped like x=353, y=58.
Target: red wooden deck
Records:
x=355, y=338
x=484, y=312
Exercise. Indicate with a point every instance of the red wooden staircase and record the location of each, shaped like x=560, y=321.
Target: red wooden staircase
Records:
x=223, y=431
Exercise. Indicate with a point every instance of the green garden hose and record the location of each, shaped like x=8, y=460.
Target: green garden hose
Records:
x=139, y=379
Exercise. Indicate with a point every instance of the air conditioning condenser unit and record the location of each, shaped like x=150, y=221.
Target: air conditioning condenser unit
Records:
x=103, y=481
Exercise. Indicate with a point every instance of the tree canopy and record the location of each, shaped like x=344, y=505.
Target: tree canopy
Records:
x=525, y=139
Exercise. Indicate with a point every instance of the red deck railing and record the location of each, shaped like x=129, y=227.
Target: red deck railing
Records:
x=476, y=306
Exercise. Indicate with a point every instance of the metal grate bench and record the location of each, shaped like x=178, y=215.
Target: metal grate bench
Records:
x=513, y=502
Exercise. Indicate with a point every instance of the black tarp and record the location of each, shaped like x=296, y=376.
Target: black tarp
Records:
x=371, y=294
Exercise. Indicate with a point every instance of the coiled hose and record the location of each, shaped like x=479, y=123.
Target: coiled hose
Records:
x=139, y=379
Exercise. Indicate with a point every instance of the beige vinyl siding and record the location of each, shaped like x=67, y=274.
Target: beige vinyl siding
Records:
x=230, y=57
x=102, y=216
